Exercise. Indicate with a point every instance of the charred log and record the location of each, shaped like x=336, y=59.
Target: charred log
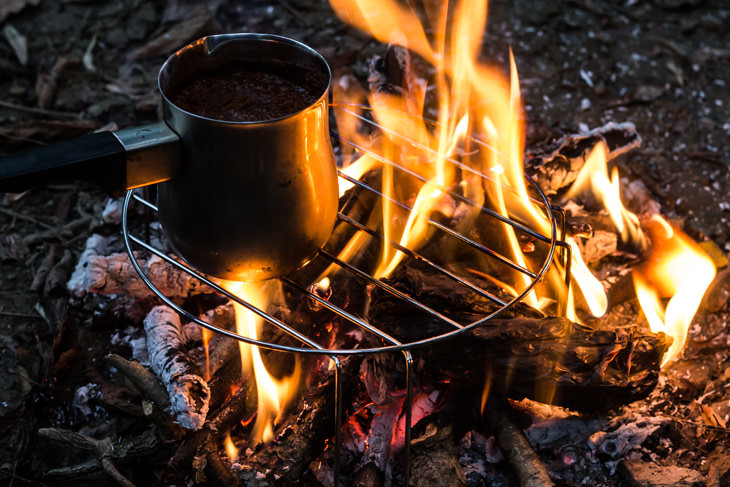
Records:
x=530, y=471
x=305, y=430
x=114, y=274
x=549, y=359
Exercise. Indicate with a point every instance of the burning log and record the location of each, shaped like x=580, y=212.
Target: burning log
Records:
x=558, y=165
x=203, y=442
x=302, y=438
x=548, y=359
x=189, y=392
x=357, y=203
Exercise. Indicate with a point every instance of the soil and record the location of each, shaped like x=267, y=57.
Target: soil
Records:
x=661, y=64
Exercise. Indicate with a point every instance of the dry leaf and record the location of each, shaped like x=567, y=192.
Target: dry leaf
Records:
x=18, y=42
x=710, y=417
x=8, y=7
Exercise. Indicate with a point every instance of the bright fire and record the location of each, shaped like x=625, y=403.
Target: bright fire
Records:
x=273, y=394
x=674, y=266
x=475, y=148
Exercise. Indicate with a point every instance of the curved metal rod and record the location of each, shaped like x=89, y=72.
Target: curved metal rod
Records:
x=311, y=347
x=504, y=260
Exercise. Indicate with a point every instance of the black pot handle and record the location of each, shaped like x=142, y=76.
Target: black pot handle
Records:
x=115, y=161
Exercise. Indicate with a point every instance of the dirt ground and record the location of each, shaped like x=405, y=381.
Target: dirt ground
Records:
x=68, y=67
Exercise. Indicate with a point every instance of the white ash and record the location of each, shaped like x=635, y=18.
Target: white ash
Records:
x=114, y=274
x=133, y=338
x=78, y=284
x=619, y=442
x=112, y=212
x=83, y=395
x=189, y=392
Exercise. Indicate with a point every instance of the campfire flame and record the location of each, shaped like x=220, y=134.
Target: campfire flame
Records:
x=273, y=394
x=475, y=148
x=674, y=266
x=678, y=269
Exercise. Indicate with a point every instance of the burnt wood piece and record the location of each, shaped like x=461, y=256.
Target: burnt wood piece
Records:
x=302, y=436
x=557, y=166
x=189, y=392
x=530, y=471
x=219, y=423
x=114, y=274
x=548, y=359
x=434, y=457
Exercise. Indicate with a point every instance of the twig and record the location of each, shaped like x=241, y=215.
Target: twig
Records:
x=57, y=233
x=147, y=383
x=530, y=471
x=38, y=111
x=20, y=216
x=18, y=315
x=102, y=450
x=295, y=12
x=16, y=477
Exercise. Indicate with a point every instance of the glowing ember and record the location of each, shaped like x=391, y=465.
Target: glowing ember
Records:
x=273, y=394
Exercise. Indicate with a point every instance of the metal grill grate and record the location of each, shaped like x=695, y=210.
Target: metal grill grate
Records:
x=308, y=344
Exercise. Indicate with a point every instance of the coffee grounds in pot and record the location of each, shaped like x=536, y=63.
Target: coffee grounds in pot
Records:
x=245, y=93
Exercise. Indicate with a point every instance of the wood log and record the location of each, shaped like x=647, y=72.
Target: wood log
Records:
x=97, y=272
x=189, y=392
x=301, y=437
x=357, y=203
x=530, y=471
x=557, y=166
x=548, y=359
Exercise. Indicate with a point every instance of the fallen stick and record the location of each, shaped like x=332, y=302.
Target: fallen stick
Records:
x=146, y=383
x=189, y=392
x=530, y=471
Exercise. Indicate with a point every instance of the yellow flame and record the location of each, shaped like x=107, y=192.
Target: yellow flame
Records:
x=678, y=269
x=273, y=394
x=231, y=449
x=475, y=102
x=594, y=177
x=674, y=267
x=480, y=123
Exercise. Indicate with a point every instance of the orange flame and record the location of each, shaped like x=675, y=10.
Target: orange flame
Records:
x=231, y=449
x=675, y=267
x=678, y=269
x=476, y=103
x=480, y=129
x=273, y=394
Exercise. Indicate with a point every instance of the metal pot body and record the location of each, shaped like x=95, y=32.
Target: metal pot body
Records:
x=251, y=200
